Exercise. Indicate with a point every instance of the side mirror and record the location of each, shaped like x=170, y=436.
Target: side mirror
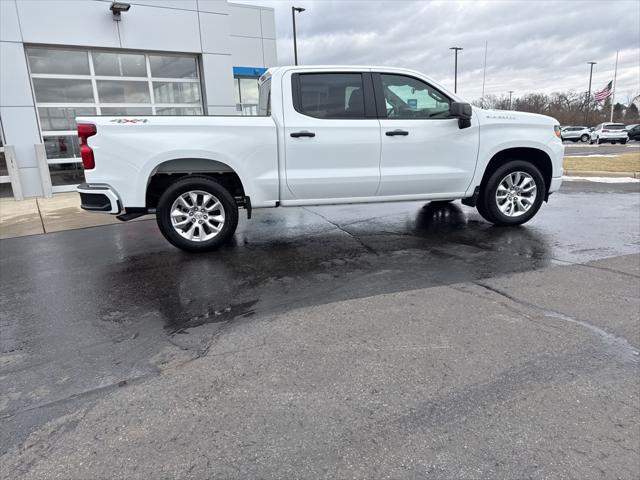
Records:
x=462, y=111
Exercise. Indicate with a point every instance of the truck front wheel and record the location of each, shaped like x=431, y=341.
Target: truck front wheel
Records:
x=197, y=214
x=512, y=195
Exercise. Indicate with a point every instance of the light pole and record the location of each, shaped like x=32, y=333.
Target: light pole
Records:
x=586, y=115
x=455, y=75
x=510, y=93
x=295, y=43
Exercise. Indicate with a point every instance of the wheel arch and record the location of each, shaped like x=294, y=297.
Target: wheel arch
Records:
x=539, y=158
x=169, y=171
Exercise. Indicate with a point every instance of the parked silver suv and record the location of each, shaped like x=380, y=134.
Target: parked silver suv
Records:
x=609, y=132
x=575, y=134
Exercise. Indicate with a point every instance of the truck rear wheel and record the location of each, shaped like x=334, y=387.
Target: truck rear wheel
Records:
x=197, y=214
x=512, y=195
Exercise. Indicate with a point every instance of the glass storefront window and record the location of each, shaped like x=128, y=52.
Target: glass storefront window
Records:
x=62, y=118
x=61, y=146
x=246, y=94
x=171, y=92
x=58, y=62
x=66, y=174
x=123, y=91
x=119, y=65
x=63, y=90
x=236, y=90
x=68, y=83
x=249, y=90
x=166, y=66
x=179, y=111
x=4, y=171
x=114, y=111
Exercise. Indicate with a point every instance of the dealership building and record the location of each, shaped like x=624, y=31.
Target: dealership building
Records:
x=66, y=58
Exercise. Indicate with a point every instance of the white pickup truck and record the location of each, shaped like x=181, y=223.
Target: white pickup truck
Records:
x=325, y=136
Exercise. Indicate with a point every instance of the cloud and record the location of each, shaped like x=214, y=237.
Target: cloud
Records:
x=533, y=46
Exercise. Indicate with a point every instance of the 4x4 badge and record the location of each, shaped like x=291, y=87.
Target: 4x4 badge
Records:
x=129, y=120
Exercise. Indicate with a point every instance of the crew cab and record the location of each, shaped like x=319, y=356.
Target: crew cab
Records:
x=325, y=135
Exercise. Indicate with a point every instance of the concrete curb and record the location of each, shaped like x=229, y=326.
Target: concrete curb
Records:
x=594, y=173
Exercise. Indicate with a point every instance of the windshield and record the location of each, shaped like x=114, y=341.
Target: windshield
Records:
x=264, y=98
x=614, y=126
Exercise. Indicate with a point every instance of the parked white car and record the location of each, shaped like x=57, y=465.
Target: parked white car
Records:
x=609, y=132
x=575, y=134
x=326, y=136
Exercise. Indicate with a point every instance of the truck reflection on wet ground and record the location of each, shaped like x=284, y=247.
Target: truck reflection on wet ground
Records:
x=437, y=245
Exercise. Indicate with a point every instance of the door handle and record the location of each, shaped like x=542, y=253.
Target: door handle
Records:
x=393, y=133
x=303, y=134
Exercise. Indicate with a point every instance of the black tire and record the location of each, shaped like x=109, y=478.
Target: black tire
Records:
x=487, y=204
x=623, y=142
x=210, y=186
x=584, y=138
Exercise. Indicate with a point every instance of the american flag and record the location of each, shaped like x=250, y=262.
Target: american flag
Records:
x=604, y=93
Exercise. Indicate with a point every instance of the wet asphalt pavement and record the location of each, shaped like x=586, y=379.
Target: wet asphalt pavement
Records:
x=88, y=312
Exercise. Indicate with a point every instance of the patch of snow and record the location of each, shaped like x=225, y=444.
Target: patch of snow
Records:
x=601, y=179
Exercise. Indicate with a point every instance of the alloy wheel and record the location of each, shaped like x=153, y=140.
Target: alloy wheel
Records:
x=516, y=194
x=197, y=216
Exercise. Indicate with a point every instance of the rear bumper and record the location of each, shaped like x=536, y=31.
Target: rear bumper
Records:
x=99, y=198
x=613, y=138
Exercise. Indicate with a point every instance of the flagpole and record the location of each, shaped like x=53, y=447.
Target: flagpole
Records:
x=613, y=93
x=484, y=74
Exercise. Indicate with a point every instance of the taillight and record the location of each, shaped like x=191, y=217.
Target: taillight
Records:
x=86, y=130
x=605, y=131
x=558, y=132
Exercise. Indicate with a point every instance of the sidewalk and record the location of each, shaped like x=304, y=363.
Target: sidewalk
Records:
x=46, y=215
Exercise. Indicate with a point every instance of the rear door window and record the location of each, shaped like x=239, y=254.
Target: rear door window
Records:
x=330, y=95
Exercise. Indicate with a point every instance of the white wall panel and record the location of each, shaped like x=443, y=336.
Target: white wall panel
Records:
x=15, y=87
x=245, y=21
x=218, y=79
x=21, y=130
x=184, y=4
x=270, y=55
x=214, y=32
x=247, y=52
x=9, y=26
x=149, y=28
x=30, y=180
x=213, y=6
x=63, y=22
x=268, y=22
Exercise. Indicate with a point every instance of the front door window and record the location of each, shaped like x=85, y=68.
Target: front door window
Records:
x=407, y=97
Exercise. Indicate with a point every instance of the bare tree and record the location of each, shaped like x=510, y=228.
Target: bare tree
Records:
x=568, y=108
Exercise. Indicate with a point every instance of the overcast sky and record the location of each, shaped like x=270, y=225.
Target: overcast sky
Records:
x=533, y=46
